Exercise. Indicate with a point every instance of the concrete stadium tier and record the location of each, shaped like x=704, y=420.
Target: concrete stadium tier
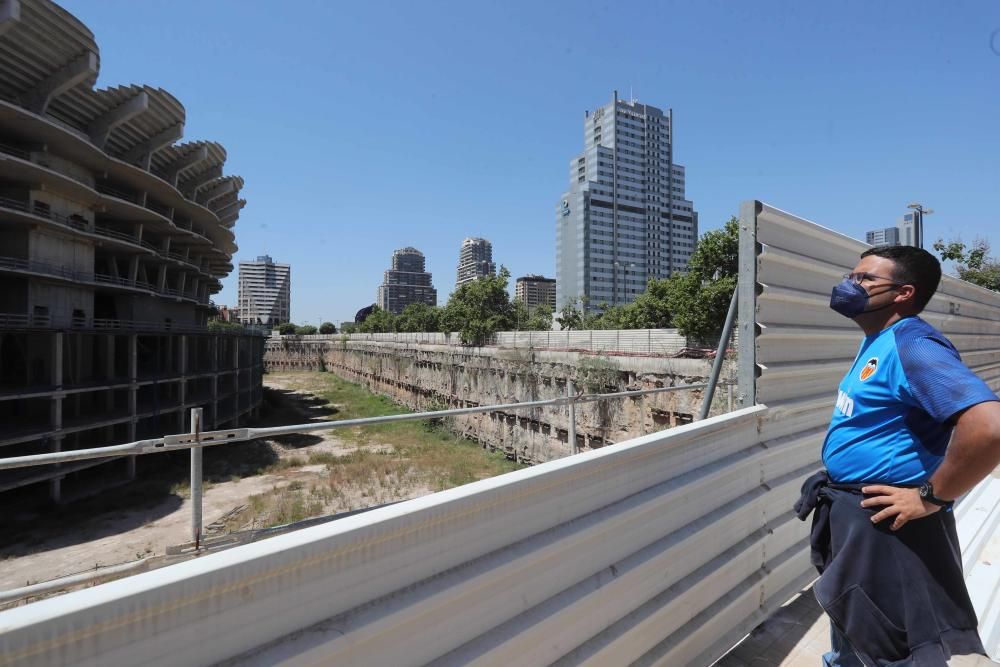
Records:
x=113, y=239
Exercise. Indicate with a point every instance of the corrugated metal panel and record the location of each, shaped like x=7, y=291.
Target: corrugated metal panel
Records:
x=803, y=348
x=643, y=552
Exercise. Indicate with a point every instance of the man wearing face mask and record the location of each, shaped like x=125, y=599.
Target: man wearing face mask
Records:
x=883, y=535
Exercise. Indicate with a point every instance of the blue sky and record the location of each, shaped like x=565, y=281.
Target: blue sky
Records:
x=362, y=127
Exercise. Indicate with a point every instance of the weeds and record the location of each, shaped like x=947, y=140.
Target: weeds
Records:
x=390, y=462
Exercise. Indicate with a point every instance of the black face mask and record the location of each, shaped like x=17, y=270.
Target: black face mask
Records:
x=850, y=298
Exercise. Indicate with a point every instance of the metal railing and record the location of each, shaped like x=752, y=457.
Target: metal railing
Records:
x=45, y=268
x=118, y=194
x=81, y=224
x=196, y=439
x=74, y=222
x=24, y=321
x=16, y=152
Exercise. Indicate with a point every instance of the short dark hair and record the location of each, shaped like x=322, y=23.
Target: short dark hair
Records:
x=914, y=266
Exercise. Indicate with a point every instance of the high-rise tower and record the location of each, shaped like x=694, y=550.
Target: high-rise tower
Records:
x=406, y=282
x=625, y=219
x=475, y=260
x=265, y=292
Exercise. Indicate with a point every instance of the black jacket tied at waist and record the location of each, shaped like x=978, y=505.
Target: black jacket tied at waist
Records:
x=895, y=595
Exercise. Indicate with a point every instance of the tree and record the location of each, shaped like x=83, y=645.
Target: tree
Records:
x=651, y=309
x=379, y=321
x=540, y=319
x=287, y=329
x=974, y=266
x=700, y=306
x=700, y=300
x=327, y=328
x=420, y=317
x=480, y=308
x=570, y=317
x=305, y=330
x=614, y=317
x=218, y=326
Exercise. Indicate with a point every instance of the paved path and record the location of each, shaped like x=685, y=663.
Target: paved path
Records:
x=797, y=635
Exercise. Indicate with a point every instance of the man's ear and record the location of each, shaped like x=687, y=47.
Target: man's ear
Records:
x=906, y=293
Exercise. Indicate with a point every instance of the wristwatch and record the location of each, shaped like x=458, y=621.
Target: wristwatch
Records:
x=926, y=491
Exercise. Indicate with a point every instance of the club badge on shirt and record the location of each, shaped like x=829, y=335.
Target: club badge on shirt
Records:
x=869, y=369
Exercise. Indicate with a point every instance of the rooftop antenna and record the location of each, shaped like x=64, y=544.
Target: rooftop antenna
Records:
x=631, y=97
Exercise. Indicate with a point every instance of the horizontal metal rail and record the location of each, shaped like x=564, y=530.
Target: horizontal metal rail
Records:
x=223, y=437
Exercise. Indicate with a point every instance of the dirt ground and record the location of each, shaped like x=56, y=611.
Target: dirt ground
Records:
x=124, y=535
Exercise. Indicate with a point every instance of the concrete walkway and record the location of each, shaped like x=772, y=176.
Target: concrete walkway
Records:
x=797, y=635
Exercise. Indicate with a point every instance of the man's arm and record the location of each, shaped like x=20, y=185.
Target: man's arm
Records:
x=974, y=452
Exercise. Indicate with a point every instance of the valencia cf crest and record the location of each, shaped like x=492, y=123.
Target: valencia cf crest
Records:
x=869, y=369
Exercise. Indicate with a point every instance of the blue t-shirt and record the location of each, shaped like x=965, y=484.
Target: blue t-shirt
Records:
x=892, y=420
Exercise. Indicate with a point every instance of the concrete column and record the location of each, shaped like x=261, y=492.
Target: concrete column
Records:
x=133, y=398
x=138, y=232
x=55, y=410
x=161, y=280
x=169, y=367
x=133, y=268
x=109, y=371
x=215, y=380
x=182, y=385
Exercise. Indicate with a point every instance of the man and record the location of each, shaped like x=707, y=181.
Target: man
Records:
x=883, y=535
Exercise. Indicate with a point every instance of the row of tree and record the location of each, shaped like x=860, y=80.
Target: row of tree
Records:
x=695, y=302
x=476, y=310
x=289, y=329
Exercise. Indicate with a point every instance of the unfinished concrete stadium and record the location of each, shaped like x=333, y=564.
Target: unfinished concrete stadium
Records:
x=113, y=239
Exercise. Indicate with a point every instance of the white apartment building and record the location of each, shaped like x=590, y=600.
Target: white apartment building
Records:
x=265, y=292
x=475, y=260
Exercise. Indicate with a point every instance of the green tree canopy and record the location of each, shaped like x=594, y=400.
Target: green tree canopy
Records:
x=327, y=328
x=286, y=329
x=379, y=321
x=217, y=326
x=305, y=330
x=699, y=300
x=651, y=309
x=974, y=264
x=540, y=319
x=420, y=317
x=571, y=316
x=480, y=308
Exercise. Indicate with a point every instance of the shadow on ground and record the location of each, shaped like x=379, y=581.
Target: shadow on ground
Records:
x=99, y=502
x=789, y=637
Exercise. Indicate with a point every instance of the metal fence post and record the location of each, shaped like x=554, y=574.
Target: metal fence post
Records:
x=720, y=354
x=572, y=415
x=196, y=478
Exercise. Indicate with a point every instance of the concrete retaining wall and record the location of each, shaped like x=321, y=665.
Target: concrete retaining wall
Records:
x=433, y=377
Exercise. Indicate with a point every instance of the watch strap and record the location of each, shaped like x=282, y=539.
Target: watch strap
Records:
x=927, y=493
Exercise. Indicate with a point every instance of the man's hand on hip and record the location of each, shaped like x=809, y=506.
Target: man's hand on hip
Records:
x=903, y=503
